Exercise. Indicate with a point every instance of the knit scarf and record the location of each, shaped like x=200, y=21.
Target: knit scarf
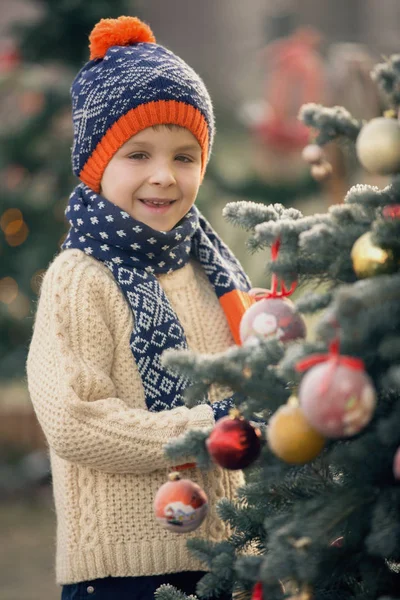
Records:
x=135, y=253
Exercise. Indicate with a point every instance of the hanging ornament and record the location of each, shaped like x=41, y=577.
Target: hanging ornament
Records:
x=180, y=505
x=292, y=590
x=370, y=260
x=396, y=464
x=322, y=171
x=234, y=443
x=305, y=593
x=391, y=211
x=273, y=314
x=337, y=542
x=336, y=395
x=313, y=154
x=257, y=593
x=291, y=437
x=272, y=317
x=378, y=146
x=320, y=168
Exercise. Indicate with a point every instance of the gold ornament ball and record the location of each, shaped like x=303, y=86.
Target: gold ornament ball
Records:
x=378, y=146
x=370, y=260
x=291, y=437
x=304, y=594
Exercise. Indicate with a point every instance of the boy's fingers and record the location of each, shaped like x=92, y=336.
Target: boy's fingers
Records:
x=256, y=291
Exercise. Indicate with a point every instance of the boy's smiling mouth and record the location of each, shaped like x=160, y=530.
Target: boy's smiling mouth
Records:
x=156, y=202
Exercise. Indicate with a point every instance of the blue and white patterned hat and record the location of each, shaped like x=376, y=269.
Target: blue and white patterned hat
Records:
x=129, y=84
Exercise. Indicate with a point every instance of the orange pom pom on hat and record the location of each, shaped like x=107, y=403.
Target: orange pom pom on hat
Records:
x=129, y=84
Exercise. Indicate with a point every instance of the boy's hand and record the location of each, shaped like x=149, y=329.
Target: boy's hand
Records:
x=221, y=409
x=254, y=292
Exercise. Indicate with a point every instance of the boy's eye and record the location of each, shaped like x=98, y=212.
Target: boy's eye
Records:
x=138, y=156
x=183, y=158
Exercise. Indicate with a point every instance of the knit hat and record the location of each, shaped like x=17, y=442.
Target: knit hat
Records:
x=129, y=84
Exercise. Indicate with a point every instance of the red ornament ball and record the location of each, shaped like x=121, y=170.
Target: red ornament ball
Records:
x=337, y=403
x=180, y=505
x=272, y=317
x=234, y=443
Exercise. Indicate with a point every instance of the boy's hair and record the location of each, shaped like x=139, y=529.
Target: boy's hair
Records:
x=129, y=84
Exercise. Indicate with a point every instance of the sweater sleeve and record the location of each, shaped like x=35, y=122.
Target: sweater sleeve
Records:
x=69, y=379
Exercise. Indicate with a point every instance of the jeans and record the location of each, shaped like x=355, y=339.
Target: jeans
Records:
x=132, y=588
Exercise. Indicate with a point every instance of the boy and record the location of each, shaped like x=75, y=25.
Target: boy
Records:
x=141, y=272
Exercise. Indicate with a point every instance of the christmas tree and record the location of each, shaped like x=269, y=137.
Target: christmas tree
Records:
x=35, y=164
x=319, y=515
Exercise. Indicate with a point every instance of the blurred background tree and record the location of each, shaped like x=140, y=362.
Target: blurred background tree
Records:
x=35, y=164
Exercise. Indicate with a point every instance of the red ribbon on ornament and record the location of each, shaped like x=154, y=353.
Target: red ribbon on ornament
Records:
x=278, y=289
x=334, y=359
x=391, y=211
x=184, y=467
x=257, y=592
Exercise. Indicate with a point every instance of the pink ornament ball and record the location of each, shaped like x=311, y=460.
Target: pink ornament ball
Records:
x=272, y=317
x=396, y=464
x=339, y=403
x=312, y=154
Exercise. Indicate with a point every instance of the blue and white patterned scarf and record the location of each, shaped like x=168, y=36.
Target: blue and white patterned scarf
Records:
x=135, y=253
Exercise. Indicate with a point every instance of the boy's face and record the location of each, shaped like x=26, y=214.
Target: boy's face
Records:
x=155, y=176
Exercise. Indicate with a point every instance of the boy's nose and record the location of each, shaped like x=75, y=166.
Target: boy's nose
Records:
x=162, y=175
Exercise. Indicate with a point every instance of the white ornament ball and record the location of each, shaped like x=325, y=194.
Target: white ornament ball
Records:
x=270, y=317
x=378, y=146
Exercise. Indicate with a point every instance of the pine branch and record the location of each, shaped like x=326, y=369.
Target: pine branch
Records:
x=249, y=371
x=249, y=214
x=387, y=77
x=192, y=444
x=169, y=592
x=331, y=123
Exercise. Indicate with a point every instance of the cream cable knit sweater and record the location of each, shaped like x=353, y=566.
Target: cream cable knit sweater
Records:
x=106, y=448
